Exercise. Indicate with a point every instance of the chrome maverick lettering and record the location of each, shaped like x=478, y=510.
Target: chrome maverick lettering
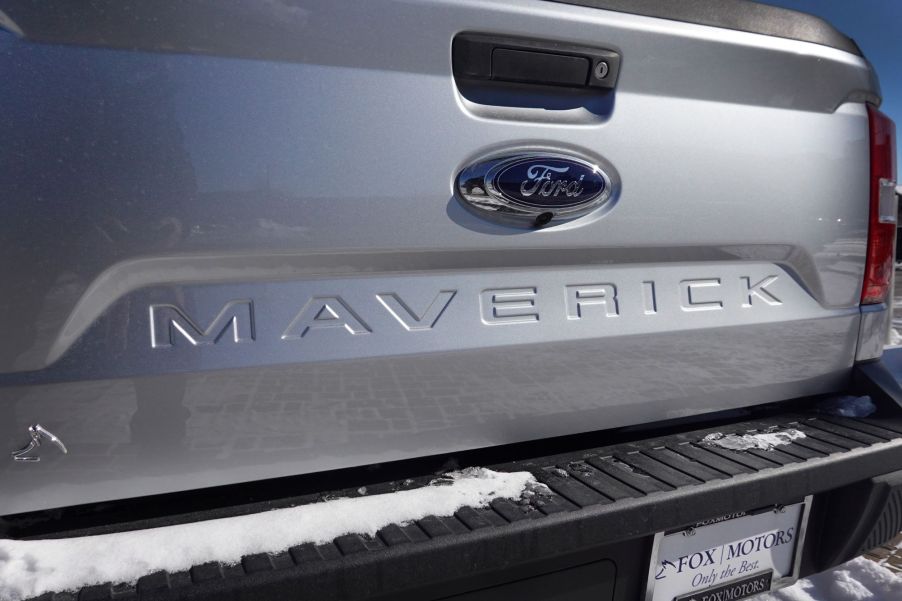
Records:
x=331, y=314
x=535, y=188
x=235, y=318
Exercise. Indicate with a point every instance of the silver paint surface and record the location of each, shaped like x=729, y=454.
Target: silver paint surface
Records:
x=131, y=179
x=874, y=331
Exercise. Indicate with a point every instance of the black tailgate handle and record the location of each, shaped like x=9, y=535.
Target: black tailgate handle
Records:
x=521, y=60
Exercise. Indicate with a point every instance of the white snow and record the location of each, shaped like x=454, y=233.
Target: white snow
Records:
x=31, y=568
x=765, y=441
x=857, y=580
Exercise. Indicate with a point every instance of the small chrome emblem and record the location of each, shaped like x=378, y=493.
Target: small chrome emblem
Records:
x=534, y=189
x=38, y=434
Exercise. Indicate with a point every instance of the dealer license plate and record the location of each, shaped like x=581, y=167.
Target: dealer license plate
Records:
x=731, y=557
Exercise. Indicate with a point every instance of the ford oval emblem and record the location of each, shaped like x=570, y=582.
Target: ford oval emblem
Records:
x=533, y=189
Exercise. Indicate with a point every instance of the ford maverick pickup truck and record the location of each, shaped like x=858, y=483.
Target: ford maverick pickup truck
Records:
x=263, y=254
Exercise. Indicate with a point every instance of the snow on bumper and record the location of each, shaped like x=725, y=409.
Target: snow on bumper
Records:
x=31, y=568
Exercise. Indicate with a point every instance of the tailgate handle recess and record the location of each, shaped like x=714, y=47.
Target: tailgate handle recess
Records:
x=537, y=62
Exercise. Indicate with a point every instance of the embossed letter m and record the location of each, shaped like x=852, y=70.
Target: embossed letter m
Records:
x=166, y=321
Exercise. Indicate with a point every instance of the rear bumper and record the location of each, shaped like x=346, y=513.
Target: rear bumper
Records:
x=583, y=538
x=593, y=535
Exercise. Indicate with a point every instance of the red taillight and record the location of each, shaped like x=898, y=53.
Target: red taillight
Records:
x=878, y=270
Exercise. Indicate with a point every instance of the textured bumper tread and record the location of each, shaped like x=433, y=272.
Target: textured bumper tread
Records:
x=754, y=463
x=303, y=554
x=414, y=533
x=482, y=517
x=891, y=425
x=711, y=459
x=513, y=512
x=626, y=474
x=259, y=562
x=819, y=445
x=100, y=592
x=601, y=482
x=206, y=572
x=280, y=561
x=124, y=591
x=176, y=580
x=854, y=434
x=233, y=571
x=661, y=471
x=862, y=426
x=779, y=455
x=434, y=527
x=803, y=452
x=687, y=465
x=472, y=519
x=573, y=490
x=829, y=437
x=554, y=503
x=350, y=544
x=329, y=551
x=158, y=580
x=392, y=536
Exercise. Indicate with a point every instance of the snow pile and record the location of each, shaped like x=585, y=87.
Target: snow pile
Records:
x=848, y=406
x=765, y=441
x=31, y=568
x=857, y=580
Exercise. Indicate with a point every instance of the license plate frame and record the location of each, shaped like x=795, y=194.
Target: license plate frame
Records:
x=701, y=557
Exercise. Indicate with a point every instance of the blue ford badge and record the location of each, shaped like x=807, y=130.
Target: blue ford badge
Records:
x=533, y=189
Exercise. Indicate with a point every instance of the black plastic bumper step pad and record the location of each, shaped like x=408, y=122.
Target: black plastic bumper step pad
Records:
x=598, y=495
